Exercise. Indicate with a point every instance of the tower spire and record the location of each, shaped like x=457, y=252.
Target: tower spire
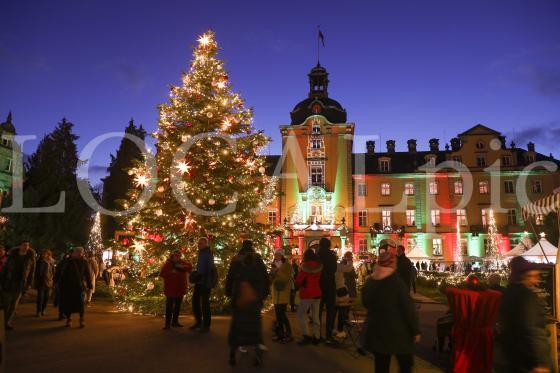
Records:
x=9, y=117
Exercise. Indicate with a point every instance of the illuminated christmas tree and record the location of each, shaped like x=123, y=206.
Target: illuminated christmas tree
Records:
x=95, y=241
x=210, y=178
x=458, y=249
x=493, y=247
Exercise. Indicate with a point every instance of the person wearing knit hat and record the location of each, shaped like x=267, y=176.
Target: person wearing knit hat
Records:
x=388, y=244
x=393, y=328
x=522, y=344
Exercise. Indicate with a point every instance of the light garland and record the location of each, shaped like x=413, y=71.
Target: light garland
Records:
x=212, y=175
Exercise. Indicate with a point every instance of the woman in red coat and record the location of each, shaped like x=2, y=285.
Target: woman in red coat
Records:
x=175, y=274
x=307, y=281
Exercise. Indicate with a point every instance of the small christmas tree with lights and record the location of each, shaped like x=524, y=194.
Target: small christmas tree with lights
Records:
x=95, y=241
x=458, y=248
x=493, y=247
x=210, y=178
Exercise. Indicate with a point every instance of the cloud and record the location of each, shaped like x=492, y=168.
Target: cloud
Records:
x=10, y=56
x=546, y=134
x=133, y=76
x=546, y=80
x=538, y=67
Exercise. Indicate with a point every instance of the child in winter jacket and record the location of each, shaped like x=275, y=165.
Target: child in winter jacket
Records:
x=175, y=274
x=307, y=281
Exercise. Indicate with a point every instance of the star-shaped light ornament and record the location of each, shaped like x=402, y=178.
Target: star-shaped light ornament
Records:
x=204, y=40
x=139, y=247
x=141, y=180
x=183, y=167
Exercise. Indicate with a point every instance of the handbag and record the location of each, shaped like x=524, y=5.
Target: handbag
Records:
x=194, y=277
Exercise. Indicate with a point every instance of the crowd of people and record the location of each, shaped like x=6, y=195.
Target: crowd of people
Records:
x=70, y=282
x=514, y=325
x=327, y=289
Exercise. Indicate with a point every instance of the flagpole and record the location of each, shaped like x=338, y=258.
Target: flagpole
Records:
x=318, y=47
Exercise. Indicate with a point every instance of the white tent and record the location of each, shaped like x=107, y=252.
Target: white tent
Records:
x=417, y=254
x=535, y=254
x=519, y=249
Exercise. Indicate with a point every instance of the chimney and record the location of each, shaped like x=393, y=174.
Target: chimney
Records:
x=503, y=141
x=390, y=146
x=455, y=144
x=531, y=147
x=370, y=146
x=411, y=145
x=434, y=145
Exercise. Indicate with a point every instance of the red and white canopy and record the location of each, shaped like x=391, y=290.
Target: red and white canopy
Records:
x=542, y=206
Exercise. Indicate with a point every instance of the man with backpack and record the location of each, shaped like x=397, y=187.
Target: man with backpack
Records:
x=204, y=278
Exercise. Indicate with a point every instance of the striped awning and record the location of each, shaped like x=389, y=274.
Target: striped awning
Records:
x=542, y=206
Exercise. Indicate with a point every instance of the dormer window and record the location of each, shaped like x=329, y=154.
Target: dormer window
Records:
x=479, y=145
x=384, y=165
x=316, y=129
x=431, y=161
x=529, y=158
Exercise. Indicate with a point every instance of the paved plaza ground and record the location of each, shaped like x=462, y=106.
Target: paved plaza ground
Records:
x=122, y=342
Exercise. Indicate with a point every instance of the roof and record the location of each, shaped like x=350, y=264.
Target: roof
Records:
x=8, y=125
x=536, y=252
x=479, y=129
x=417, y=253
x=401, y=162
x=325, y=106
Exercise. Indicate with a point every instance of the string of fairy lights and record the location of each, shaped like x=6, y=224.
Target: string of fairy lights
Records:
x=208, y=160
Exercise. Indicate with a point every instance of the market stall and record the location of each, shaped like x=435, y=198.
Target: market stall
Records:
x=417, y=255
x=549, y=287
x=541, y=252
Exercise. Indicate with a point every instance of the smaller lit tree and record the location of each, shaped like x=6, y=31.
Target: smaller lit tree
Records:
x=458, y=249
x=95, y=242
x=493, y=247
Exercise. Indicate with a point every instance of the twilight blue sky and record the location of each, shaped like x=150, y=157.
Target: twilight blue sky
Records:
x=402, y=69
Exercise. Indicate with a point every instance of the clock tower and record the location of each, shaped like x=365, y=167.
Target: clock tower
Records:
x=316, y=172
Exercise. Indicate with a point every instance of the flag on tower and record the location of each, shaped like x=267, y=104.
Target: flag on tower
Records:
x=321, y=36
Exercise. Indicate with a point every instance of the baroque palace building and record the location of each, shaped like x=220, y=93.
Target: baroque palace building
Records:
x=420, y=197
x=7, y=131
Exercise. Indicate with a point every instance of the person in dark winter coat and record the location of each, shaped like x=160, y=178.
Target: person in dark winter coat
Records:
x=205, y=280
x=16, y=278
x=73, y=280
x=522, y=340
x=308, y=282
x=247, y=285
x=404, y=267
x=328, y=286
x=392, y=322
x=56, y=287
x=175, y=274
x=44, y=279
x=295, y=269
x=3, y=257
